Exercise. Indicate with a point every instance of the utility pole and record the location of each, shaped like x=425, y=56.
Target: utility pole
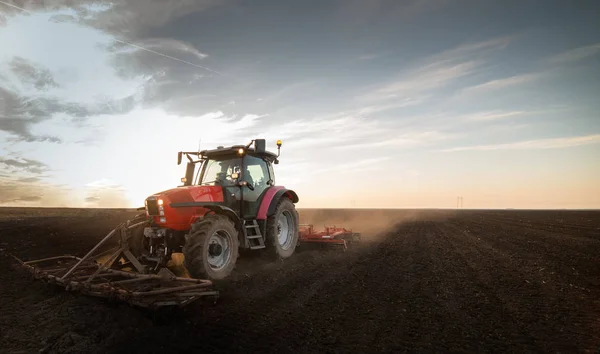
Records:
x=459, y=202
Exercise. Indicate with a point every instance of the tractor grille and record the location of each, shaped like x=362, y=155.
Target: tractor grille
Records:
x=152, y=206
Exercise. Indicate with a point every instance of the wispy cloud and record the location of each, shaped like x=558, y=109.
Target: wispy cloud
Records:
x=554, y=143
x=470, y=50
x=392, y=139
x=436, y=71
x=17, y=165
x=500, y=84
x=493, y=115
x=406, y=102
x=576, y=54
x=420, y=80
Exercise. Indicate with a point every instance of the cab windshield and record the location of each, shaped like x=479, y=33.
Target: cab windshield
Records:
x=219, y=171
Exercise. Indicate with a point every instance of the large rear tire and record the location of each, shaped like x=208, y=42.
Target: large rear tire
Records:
x=282, y=230
x=211, y=248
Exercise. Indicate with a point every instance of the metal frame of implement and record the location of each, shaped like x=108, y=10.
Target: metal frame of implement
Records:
x=109, y=280
x=337, y=236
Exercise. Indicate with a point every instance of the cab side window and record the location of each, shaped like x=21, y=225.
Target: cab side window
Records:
x=257, y=173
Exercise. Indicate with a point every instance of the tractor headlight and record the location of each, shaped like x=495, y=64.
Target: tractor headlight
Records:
x=241, y=151
x=161, y=208
x=163, y=219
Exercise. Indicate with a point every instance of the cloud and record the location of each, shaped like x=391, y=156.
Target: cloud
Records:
x=105, y=194
x=29, y=179
x=437, y=71
x=494, y=115
x=118, y=16
x=39, y=78
x=576, y=54
x=406, y=140
x=554, y=143
x=406, y=102
x=20, y=113
x=501, y=83
x=24, y=165
x=22, y=192
x=470, y=50
x=420, y=80
x=48, y=78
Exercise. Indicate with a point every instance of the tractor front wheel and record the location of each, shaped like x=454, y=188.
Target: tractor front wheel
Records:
x=211, y=248
x=282, y=230
x=138, y=244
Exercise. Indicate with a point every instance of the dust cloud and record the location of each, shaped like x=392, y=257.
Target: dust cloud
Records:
x=106, y=197
x=373, y=224
x=25, y=193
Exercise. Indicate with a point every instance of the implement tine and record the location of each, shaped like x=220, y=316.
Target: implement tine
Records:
x=106, y=238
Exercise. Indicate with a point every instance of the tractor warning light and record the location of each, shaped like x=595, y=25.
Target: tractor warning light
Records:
x=278, y=142
x=241, y=151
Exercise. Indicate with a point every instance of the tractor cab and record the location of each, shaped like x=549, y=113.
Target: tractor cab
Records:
x=243, y=172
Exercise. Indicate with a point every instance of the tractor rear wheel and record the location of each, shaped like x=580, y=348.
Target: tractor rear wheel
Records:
x=282, y=230
x=211, y=248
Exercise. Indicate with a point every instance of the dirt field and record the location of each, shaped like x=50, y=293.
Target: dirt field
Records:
x=461, y=281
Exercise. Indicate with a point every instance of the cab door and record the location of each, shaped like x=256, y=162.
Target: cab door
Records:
x=256, y=173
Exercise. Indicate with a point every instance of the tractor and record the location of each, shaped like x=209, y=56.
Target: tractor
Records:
x=228, y=201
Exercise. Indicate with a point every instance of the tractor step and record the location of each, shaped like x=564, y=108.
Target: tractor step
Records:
x=254, y=239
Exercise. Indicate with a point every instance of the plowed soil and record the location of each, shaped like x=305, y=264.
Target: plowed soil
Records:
x=460, y=281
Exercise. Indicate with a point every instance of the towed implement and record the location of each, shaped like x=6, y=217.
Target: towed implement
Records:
x=228, y=202
x=335, y=236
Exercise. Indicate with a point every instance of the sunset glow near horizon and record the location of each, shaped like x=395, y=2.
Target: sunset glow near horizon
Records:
x=379, y=104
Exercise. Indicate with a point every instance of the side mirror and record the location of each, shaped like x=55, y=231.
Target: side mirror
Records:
x=179, y=155
x=189, y=174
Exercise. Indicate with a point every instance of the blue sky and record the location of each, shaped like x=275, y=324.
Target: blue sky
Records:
x=379, y=103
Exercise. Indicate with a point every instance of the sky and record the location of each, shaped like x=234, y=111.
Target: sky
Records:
x=379, y=103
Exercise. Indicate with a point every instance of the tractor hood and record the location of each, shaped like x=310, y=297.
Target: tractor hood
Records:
x=174, y=208
x=189, y=194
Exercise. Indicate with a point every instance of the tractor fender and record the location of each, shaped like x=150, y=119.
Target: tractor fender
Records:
x=220, y=209
x=271, y=199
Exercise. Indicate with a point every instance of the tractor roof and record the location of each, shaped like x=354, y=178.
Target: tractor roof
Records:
x=234, y=151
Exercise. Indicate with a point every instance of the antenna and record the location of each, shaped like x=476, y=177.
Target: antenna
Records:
x=199, y=145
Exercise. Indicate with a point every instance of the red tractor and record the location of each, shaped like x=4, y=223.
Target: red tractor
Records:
x=228, y=201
